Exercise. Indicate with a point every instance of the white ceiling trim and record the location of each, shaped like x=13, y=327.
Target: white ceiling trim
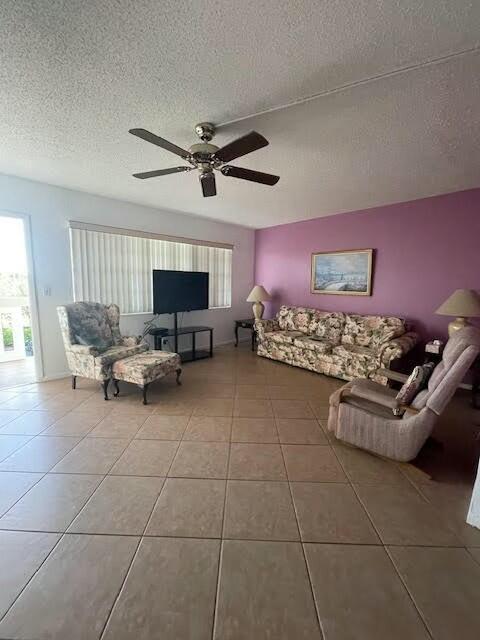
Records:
x=353, y=85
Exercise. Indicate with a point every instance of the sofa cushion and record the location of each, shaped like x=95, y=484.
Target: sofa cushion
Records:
x=348, y=351
x=415, y=382
x=319, y=346
x=328, y=326
x=371, y=331
x=283, y=337
x=294, y=318
x=89, y=325
x=146, y=367
x=356, y=361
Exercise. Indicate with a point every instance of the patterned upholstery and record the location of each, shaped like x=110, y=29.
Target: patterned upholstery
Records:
x=92, y=339
x=361, y=412
x=371, y=331
x=285, y=337
x=351, y=346
x=318, y=346
x=146, y=367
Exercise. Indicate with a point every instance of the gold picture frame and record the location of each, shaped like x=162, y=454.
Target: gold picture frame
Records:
x=342, y=273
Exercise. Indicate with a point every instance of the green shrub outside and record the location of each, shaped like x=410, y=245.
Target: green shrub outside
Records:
x=8, y=339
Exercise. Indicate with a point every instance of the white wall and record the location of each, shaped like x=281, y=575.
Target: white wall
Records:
x=50, y=208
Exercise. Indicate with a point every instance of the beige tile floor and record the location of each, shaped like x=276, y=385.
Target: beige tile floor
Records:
x=223, y=510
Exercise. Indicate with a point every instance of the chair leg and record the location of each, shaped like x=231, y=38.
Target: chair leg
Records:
x=144, y=390
x=74, y=382
x=105, y=388
x=179, y=373
x=115, y=384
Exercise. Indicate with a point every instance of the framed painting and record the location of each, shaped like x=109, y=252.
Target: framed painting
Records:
x=346, y=273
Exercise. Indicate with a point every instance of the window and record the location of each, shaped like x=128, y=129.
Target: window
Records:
x=115, y=265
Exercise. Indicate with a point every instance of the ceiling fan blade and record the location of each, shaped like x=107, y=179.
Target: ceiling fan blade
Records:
x=240, y=147
x=209, y=188
x=160, y=142
x=248, y=174
x=160, y=172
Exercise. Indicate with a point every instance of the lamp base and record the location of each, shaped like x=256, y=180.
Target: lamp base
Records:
x=258, y=309
x=455, y=325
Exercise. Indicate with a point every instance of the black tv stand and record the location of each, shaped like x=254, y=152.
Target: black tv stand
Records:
x=190, y=354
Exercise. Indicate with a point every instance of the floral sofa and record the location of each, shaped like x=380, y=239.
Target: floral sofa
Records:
x=337, y=344
x=92, y=339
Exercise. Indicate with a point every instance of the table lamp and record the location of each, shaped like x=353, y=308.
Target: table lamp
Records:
x=462, y=304
x=258, y=295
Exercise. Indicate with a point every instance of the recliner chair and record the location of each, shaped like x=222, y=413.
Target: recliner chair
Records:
x=361, y=412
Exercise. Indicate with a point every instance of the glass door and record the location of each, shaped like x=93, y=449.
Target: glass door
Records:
x=16, y=349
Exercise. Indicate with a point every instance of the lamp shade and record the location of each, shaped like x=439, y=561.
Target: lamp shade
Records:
x=258, y=294
x=463, y=303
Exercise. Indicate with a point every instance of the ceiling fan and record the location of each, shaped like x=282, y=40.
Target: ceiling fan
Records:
x=208, y=158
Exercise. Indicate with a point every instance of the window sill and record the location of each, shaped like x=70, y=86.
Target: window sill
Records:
x=150, y=313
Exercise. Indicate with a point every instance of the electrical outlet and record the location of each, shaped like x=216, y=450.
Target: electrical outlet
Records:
x=47, y=291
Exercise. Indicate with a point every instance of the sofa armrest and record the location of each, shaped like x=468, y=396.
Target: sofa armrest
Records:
x=131, y=341
x=397, y=348
x=374, y=395
x=409, y=410
x=265, y=326
x=83, y=350
x=392, y=375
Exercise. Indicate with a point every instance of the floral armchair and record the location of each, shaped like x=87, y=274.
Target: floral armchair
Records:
x=92, y=339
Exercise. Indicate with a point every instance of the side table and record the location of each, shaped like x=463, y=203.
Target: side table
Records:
x=249, y=323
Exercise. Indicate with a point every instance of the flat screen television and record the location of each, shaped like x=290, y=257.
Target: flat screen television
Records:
x=175, y=291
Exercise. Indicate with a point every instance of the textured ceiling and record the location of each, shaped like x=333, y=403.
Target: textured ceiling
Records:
x=76, y=75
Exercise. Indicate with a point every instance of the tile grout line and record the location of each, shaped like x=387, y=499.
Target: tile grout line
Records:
x=438, y=511
x=165, y=478
x=69, y=436
x=82, y=438
x=312, y=592
x=382, y=545
x=142, y=536
x=469, y=551
x=41, y=473
x=120, y=589
x=9, y=435
x=352, y=486
x=222, y=539
x=61, y=536
x=410, y=595
x=233, y=539
x=220, y=547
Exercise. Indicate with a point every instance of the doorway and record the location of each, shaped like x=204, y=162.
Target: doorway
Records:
x=17, y=362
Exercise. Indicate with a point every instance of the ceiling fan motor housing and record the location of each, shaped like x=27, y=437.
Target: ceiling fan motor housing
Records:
x=202, y=155
x=205, y=131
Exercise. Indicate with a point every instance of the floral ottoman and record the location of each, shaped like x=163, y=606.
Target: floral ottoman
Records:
x=144, y=368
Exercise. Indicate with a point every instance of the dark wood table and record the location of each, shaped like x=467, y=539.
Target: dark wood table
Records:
x=248, y=323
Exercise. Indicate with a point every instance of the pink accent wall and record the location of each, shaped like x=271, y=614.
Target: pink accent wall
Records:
x=424, y=250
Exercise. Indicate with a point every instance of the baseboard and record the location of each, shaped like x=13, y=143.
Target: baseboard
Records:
x=55, y=376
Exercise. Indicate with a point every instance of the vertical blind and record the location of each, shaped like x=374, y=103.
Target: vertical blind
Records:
x=111, y=267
